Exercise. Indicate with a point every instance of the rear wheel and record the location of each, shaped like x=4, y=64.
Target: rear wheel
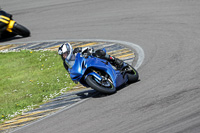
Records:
x=104, y=86
x=132, y=74
x=21, y=30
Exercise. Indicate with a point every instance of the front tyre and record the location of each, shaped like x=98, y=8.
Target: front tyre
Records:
x=21, y=30
x=107, y=87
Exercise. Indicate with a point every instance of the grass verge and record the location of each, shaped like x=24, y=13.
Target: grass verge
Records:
x=28, y=79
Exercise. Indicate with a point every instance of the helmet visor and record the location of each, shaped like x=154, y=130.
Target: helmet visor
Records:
x=65, y=54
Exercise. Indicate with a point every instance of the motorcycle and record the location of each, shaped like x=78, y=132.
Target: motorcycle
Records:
x=99, y=74
x=10, y=28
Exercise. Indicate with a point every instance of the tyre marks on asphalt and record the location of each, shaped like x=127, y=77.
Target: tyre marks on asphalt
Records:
x=79, y=92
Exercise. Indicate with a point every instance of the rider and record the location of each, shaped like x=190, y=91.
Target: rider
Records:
x=68, y=55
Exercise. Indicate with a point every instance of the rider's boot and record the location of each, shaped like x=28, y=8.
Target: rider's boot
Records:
x=116, y=62
x=119, y=63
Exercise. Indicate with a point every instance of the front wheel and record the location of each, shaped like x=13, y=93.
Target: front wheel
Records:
x=21, y=30
x=105, y=86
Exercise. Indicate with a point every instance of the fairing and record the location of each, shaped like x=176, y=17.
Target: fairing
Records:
x=81, y=65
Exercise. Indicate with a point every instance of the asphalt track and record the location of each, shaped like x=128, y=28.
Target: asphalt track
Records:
x=126, y=51
x=166, y=100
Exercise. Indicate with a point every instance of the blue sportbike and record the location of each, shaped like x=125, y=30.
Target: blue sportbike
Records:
x=99, y=74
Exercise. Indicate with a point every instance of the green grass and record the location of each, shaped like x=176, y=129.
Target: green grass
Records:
x=29, y=78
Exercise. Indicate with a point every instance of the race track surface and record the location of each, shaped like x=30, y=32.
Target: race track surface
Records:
x=167, y=97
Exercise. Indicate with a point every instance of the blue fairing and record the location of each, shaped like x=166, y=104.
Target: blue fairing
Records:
x=81, y=65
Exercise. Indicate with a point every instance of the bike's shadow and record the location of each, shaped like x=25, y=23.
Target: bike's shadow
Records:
x=96, y=94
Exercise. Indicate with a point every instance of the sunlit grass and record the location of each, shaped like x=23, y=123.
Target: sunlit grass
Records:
x=29, y=78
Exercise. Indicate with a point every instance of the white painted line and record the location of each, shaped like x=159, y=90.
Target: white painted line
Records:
x=138, y=49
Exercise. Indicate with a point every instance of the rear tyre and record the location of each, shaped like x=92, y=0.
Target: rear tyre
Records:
x=21, y=30
x=132, y=74
x=107, y=87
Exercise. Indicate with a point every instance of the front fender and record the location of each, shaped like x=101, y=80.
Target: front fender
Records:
x=95, y=75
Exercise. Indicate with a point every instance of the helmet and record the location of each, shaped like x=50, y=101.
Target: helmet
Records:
x=66, y=48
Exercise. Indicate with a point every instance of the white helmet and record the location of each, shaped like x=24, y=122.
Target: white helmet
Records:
x=66, y=47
